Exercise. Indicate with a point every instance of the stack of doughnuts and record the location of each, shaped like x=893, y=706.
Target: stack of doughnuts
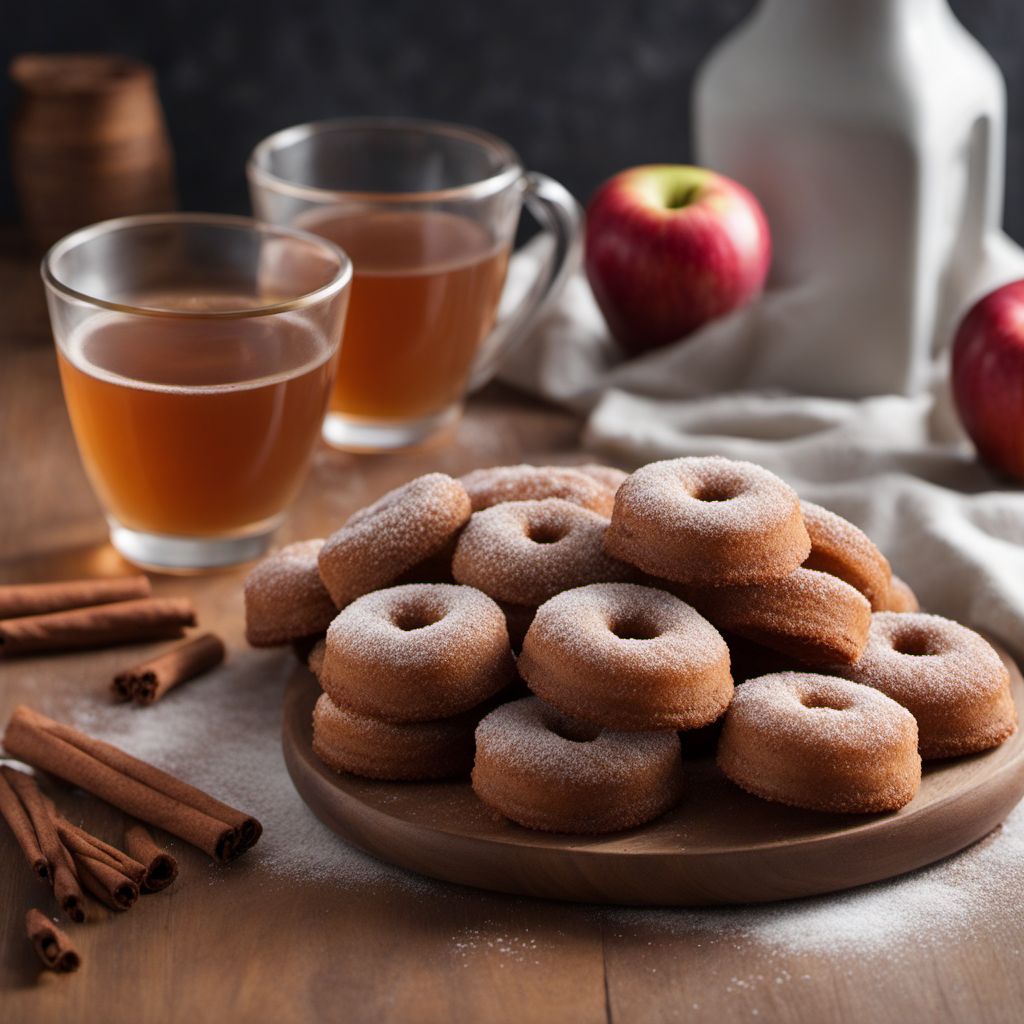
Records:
x=695, y=601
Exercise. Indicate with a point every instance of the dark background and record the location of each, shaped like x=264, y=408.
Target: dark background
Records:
x=582, y=88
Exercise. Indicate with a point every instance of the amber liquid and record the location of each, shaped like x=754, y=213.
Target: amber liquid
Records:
x=195, y=428
x=424, y=296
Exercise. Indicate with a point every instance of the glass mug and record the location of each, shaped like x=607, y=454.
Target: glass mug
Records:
x=428, y=214
x=197, y=354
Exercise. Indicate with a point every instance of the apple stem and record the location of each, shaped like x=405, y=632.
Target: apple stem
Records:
x=679, y=198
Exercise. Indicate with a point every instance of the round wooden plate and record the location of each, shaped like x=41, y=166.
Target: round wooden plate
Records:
x=719, y=845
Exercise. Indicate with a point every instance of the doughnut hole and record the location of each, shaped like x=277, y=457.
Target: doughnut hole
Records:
x=815, y=701
x=416, y=616
x=570, y=729
x=634, y=627
x=915, y=643
x=713, y=490
x=546, y=533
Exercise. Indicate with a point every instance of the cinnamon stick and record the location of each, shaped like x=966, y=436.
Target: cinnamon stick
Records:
x=161, y=867
x=19, y=599
x=149, y=681
x=124, y=622
x=62, y=871
x=106, y=883
x=138, y=788
x=14, y=814
x=83, y=844
x=54, y=948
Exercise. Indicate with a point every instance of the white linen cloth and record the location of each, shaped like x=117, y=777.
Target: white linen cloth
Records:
x=898, y=467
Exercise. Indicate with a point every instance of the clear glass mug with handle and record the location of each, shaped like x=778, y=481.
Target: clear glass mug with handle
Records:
x=428, y=214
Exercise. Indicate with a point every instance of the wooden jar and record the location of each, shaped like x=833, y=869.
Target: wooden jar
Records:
x=88, y=142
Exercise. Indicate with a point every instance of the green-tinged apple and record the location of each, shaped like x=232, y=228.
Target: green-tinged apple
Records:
x=988, y=377
x=670, y=247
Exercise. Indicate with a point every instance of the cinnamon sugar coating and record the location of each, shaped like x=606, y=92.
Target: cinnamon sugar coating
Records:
x=809, y=616
x=841, y=549
x=900, y=598
x=544, y=771
x=525, y=552
x=708, y=522
x=948, y=677
x=627, y=657
x=403, y=528
x=821, y=743
x=285, y=599
x=498, y=484
x=348, y=741
x=417, y=652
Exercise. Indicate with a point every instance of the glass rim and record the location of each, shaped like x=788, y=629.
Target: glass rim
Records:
x=341, y=278
x=510, y=172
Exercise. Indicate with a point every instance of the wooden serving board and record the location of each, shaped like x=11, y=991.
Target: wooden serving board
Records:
x=719, y=845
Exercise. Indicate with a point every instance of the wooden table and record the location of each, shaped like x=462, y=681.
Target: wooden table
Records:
x=246, y=943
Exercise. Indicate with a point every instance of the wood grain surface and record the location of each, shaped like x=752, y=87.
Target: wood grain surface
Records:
x=255, y=943
x=719, y=845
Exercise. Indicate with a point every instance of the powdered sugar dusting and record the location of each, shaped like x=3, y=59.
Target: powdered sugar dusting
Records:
x=525, y=552
x=487, y=487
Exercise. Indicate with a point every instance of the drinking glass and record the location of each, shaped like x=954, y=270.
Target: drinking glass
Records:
x=428, y=213
x=197, y=354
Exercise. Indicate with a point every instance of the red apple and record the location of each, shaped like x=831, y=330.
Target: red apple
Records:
x=988, y=377
x=670, y=247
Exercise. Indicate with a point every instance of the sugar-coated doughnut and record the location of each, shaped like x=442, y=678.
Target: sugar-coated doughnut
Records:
x=841, y=549
x=498, y=484
x=625, y=656
x=386, y=539
x=348, y=741
x=900, y=598
x=524, y=552
x=285, y=600
x=810, y=616
x=821, y=743
x=545, y=772
x=417, y=652
x=948, y=677
x=708, y=522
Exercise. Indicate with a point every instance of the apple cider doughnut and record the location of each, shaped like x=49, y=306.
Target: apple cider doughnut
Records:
x=417, y=652
x=348, y=741
x=841, y=549
x=809, y=616
x=285, y=600
x=708, y=522
x=525, y=552
x=546, y=772
x=386, y=539
x=498, y=484
x=627, y=657
x=821, y=743
x=946, y=675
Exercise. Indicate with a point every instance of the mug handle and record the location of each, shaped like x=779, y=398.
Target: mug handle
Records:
x=561, y=217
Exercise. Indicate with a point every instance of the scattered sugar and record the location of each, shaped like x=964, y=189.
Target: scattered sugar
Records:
x=525, y=552
x=487, y=487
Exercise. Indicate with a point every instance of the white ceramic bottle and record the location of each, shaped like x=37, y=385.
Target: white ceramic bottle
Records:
x=873, y=133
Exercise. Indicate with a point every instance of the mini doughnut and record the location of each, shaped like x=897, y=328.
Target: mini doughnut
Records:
x=708, y=522
x=900, y=598
x=627, y=657
x=840, y=549
x=545, y=772
x=809, y=616
x=821, y=743
x=285, y=600
x=400, y=751
x=382, y=541
x=946, y=675
x=487, y=487
x=524, y=552
x=417, y=652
